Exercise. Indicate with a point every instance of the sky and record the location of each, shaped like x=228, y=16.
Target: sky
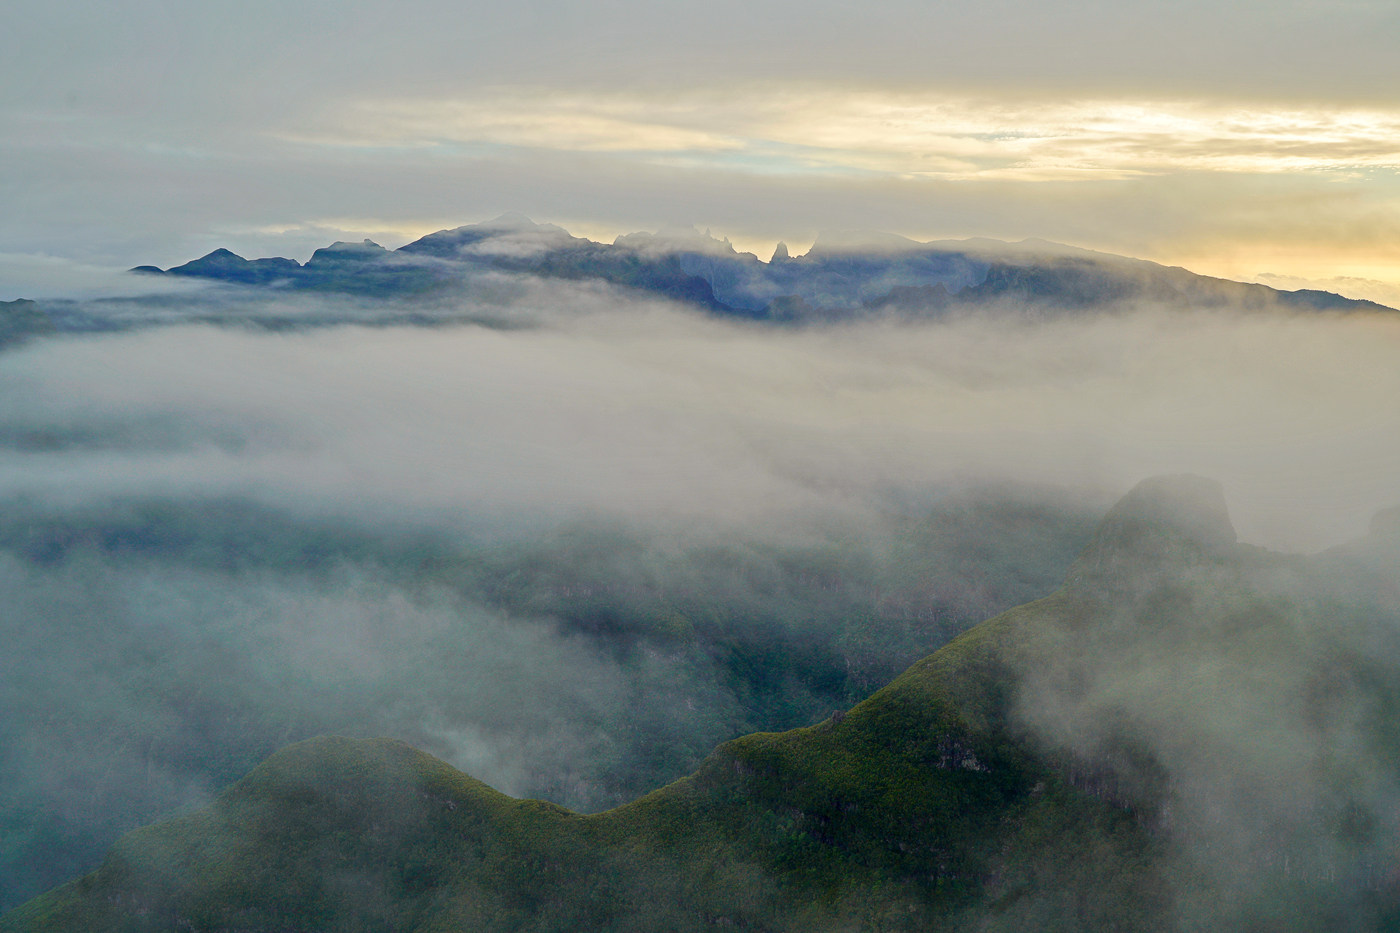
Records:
x=1254, y=140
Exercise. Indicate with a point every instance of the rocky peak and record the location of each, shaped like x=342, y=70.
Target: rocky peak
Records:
x=511, y=220
x=231, y=267
x=340, y=246
x=341, y=251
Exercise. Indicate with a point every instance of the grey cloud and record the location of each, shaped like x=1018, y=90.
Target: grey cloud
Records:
x=324, y=50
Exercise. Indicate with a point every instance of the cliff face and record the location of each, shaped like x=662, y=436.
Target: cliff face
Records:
x=1191, y=734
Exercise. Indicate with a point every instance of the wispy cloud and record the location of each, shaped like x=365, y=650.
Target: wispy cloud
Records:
x=648, y=413
x=824, y=129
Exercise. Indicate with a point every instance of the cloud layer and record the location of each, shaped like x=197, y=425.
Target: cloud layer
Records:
x=652, y=412
x=572, y=550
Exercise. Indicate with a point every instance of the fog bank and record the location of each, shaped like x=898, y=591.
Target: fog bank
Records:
x=573, y=545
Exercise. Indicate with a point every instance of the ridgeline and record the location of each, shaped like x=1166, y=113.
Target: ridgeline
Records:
x=843, y=276
x=1191, y=734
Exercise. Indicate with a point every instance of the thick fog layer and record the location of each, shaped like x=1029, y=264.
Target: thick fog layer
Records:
x=572, y=546
x=662, y=416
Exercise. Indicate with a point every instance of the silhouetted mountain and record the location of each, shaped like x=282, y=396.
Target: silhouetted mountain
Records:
x=230, y=267
x=841, y=277
x=1191, y=734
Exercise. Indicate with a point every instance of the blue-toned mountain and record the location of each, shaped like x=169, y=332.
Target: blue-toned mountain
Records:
x=843, y=276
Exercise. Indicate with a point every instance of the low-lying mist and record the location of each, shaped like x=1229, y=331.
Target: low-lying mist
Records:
x=1242, y=704
x=572, y=544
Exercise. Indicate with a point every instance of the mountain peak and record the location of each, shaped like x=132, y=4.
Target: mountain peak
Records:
x=1176, y=518
x=341, y=246
x=845, y=241
x=1191, y=505
x=510, y=219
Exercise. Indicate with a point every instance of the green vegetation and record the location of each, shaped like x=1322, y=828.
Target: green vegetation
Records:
x=900, y=812
x=1040, y=772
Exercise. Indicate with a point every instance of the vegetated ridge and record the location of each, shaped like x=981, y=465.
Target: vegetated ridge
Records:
x=663, y=649
x=1190, y=734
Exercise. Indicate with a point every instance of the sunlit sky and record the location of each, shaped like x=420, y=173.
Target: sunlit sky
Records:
x=1255, y=140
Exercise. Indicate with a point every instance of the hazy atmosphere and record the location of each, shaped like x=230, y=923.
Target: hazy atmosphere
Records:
x=1237, y=139
x=569, y=513
x=572, y=550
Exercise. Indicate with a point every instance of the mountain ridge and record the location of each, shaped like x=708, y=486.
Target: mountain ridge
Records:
x=953, y=798
x=843, y=275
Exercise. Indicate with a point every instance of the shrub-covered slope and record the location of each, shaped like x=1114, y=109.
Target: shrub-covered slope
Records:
x=1191, y=734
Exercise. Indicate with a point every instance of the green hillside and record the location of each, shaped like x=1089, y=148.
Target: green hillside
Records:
x=1191, y=734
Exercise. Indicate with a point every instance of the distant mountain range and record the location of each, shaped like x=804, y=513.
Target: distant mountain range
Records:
x=841, y=277
x=1191, y=734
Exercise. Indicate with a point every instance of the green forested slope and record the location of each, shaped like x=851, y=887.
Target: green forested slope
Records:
x=1041, y=772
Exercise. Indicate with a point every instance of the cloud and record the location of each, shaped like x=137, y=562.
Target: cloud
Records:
x=133, y=688
x=1384, y=293
x=29, y=275
x=1238, y=704
x=934, y=135
x=650, y=412
x=1299, y=49
x=508, y=117
x=573, y=550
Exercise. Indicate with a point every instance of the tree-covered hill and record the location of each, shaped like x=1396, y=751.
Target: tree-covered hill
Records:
x=1191, y=734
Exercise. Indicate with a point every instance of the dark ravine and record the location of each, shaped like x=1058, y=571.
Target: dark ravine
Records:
x=840, y=278
x=1191, y=734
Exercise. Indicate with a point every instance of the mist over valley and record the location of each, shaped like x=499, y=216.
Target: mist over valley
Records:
x=563, y=468
x=567, y=517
